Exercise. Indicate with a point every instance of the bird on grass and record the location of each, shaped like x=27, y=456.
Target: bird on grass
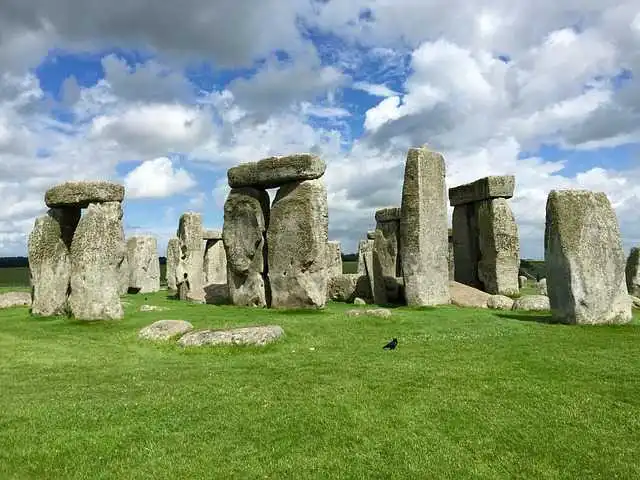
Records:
x=391, y=345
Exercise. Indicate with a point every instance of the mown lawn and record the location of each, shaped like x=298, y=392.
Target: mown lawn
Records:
x=467, y=394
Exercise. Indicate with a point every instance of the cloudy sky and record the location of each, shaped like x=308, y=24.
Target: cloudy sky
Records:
x=165, y=96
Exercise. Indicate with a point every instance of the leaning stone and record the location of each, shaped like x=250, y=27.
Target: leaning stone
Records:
x=371, y=235
x=347, y=286
x=364, y=246
x=191, y=257
x=173, y=258
x=632, y=272
x=423, y=229
x=584, y=259
x=334, y=259
x=485, y=188
x=522, y=281
x=542, y=286
x=389, y=214
x=259, y=336
x=369, y=312
x=15, y=299
x=164, y=330
x=274, y=172
x=532, y=303
x=209, y=234
x=97, y=250
x=81, y=194
x=144, y=264
x=500, y=302
x=466, y=296
x=49, y=265
x=215, y=263
x=297, y=239
x=246, y=216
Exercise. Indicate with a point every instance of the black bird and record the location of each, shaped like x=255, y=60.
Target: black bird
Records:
x=391, y=345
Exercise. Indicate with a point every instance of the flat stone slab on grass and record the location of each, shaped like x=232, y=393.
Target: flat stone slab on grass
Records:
x=237, y=336
x=532, y=303
x=15, y=299
x=483, y=189
x=151, y=308
x=81, y=194
x=465, y=296
x=369, y=312
x=273, y=172
x=165, y=330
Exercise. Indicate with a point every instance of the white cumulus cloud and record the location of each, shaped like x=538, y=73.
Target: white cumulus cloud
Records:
x=157, y=178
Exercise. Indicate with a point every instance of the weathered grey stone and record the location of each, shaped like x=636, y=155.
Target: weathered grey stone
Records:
x=385, y=257
x=466, y=296
x=215, y=263
x=368, y=268
x=635, y=301
x=483, y=189
x=191, y=256
x=97, y=251
x=276, y=171
x=532, y=303
x=209, y=234
x=297, y=239
x=450, y=258
x=388, y=214
x=347, y=286
x=164, y=330
x=371, y=235
x=173, y=259
x=123, y=276
x=522, y=281
x=81, y=194
x=359, y=301
x=259, y=336
x=584, y=259
x=632, y=272
x=144, y=264
x=423, y=229
x=499, y=244
x=334, y=259
x=217, y=294
x=364, y=246
x=15, y=299
x=466, y=248
x=500, y=302
x=151, y=308
x=49, y=265
x=542, y=286
x=246, y=217
x=369, y=312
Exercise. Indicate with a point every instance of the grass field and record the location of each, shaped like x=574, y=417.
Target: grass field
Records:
x=467, y=394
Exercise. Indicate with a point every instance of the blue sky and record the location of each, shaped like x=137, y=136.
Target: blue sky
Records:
x=168, y=110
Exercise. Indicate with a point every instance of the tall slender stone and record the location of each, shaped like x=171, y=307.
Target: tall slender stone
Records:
x=451, y=255
x=191, y=257
x=173, y=258
x=423, y=229
x=215, y=263
x=584, y=259
x=364, y=246
x=632, y=272
x=386, y=259
x=144, y=263
x=334, y=259
x=466, y=248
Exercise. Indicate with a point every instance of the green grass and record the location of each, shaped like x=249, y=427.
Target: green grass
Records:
x=467, y=394
x=349, y=267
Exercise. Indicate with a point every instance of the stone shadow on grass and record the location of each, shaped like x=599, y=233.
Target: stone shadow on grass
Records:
x=538, y=317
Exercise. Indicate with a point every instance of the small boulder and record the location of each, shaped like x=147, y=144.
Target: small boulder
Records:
x=359, y=301
x=348, y=286
x=81, y=194
x=15, y=299
x=165, y=330
x=370, y=312
x=466, y=296
x=532, y=303
x=237, y=336
x=500, y=302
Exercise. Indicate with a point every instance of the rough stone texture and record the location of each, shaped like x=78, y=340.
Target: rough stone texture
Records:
x=151, y=308
x=81, y=194
x=386, y=262
x=334, y=259
x=450, y=258
x=346, y=287
x=500, y=302
x=369, y=312
x=191, y=261
x=217, y=294
x=359, y=301
x=164, y=330
x=173, y=258
x=371, y=235
x=423, y=229
x=209, y=234
x=635, y=301
x=215, y=263
x=466, y=296
x=542, y=286
x=532, y=303
x=388, y=214
x=15, y=299
x=49, y=265
x=632, y=272
x=246, y=217
x=499, y=244
x=522, y=281
x=123, y=276
x=97, y=252
x=584, y=259
x=368, y=268
x=144, y=264
x=238, y=336
x=364, y=246
x=276, y=171
x=466, y=248
x=482, y=189
x=297, y=239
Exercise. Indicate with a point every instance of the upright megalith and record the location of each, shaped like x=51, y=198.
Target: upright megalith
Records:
x=385, y=257
x=173, y=259
x=246, y=217
x=189, y=272
x=423, y=229
x=450, y=257
x=274, y=172
x=584, y=259
x=334, y=259
x=297, y=243
x=215, y=262
x=365, y=247
x=486, y=247
x=144, y=264
x=123, y=276
x=97, y=251
x=632, y=272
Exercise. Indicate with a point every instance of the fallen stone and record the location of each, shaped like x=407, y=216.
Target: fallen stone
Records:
x=359, y=301
x=369, y=312
x=500, y=302
x=347, y=286
x=164, y=330
x=259, y=336
x=215, y=263
x=532, y=303
x=173, y=259
x=388, y=214
x=542, y=286
x=15, y=299
x=584, y=259
x=144, y=264
x=151, y=308
x=274, y=172
x=423, y=229
x=466, y=296
x=334, y=259
x=209, y=234
x=483, y=189
x=191, y=263
x=81, y=194
x=632, y=272
x=297, y=239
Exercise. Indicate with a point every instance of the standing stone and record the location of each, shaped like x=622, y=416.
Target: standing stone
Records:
x=466, y=249
x=386, y=248
x=451, y=256
x=215, y=263
x=522, y=281
x=364, y=246
x=191, y=256
x=97, y=251
x=423, y=229
x=123, y=276
x=144, y=264
x=334, y=259
x=246, y=217
x=173, y=258
x=632, y=272
x=584, y=259
x=49, y=261
x=297, y=240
